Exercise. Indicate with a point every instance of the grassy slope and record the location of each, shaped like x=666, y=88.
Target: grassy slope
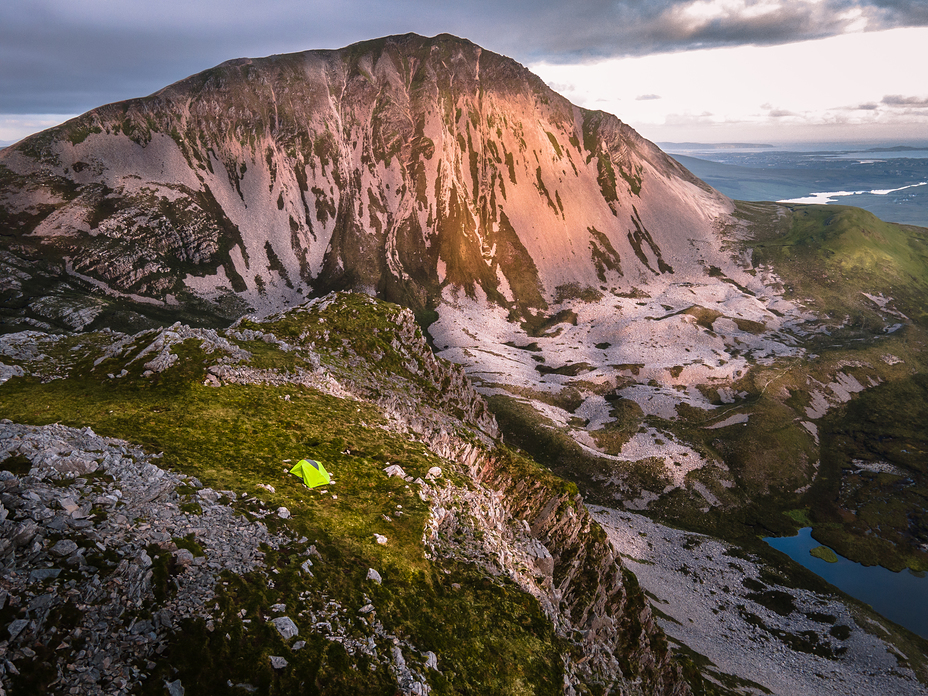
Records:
x=491, y=637
x=833, y=253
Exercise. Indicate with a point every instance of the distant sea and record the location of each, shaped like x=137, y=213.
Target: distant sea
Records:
x=888, y=179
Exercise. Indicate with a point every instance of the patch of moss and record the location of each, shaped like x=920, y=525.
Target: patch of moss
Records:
x=872, y=517
x=569, y=370
x=821, y=251
x=16, y=464
x=190, y=543
x=79, y=132
x=539, y=325
x=800, y=517
x=573, y=291
x=825, y=553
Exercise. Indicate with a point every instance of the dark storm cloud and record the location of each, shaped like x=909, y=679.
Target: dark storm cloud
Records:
x=58, y=56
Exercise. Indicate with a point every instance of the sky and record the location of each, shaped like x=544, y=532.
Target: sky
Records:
x=772, y=71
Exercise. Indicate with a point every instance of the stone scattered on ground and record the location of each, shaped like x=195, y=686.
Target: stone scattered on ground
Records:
x=285, y=627
x=715, y=601
x=75, y=533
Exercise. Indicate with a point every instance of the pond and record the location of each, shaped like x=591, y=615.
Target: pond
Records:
x=900, y=597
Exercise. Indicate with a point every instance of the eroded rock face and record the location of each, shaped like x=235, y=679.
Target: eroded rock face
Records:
x=398, y=167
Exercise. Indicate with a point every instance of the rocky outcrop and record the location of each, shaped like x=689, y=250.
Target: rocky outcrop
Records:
x=536, y=530
x=88, y=544
x=517, y=519
x=599, y=599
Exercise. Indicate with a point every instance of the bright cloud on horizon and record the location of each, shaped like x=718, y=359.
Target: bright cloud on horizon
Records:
x=18, y=126
x=855, y=86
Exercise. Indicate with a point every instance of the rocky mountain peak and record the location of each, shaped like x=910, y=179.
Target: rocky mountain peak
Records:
x=402, y=167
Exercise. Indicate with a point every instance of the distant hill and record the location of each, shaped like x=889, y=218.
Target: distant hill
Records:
x=672, y=147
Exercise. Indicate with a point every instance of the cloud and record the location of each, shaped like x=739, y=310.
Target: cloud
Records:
x=647, y=97
x=57, y=56
x=563, y=88
x=780, y=113
x=628, y=27
x=910, y=102
x=867, y=107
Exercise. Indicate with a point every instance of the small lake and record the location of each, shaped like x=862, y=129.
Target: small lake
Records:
x=900, y=597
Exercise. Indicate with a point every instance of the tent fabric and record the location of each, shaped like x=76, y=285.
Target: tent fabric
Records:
x=312, y=473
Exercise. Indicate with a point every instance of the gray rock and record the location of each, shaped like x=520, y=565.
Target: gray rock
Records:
x=63, y=548
x=374, y=575
x=141, y=627
x=8, y=371
x=209, y=495
x=285, y=627
x=163, y=618
x=44, y=574
x=175, y=688
x=76, y=465
x=75, y=559
x=42, y=602
x=278, y=662
x=283, y=513
x=24, y=533
x=16, y=627
x=184, y=557
x=395, y=470
x=431, y=660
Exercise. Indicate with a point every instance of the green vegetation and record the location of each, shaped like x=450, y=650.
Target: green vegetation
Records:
x=825, y=553
x=876, y=516
x=554, y=144
x=828, y=249
x=78, y=132
x=627, y=417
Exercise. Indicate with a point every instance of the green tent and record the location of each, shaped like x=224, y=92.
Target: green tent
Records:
x=312, y=473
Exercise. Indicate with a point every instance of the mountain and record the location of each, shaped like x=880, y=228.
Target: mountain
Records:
x=637, y=355
x=402, y=167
